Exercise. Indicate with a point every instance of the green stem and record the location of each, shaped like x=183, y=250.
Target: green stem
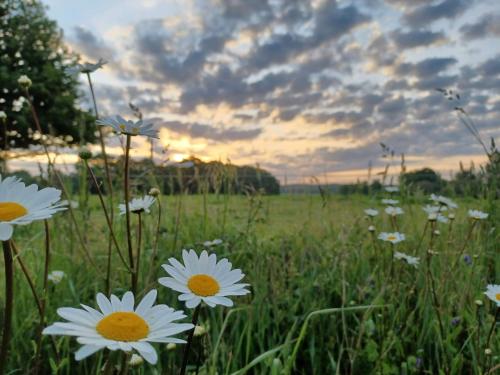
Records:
x=127, y=213
x=189, y=340
x=9, y=304
x=138, y=256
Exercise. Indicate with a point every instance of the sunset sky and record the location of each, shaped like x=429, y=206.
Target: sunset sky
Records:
x=304, y=88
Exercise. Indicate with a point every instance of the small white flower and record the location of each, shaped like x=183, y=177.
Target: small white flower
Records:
x=371, y=228
x=3, y=115
x=203, y=279
x=56, y=276
x=72, y=204
x=493, y=293
x=138, y=205
x=412, y=261
x=128, y=127
x=215, y=242
x=121, y=326
x=199, y=330
x=136, y=360
x=393, y=211
x=24, y=81
x=451, y=216
x=393, y=238
x=391, y=189
x=443, y=201
x=371, y=212
x=391, y=202
x=477, y=215
x=86, y=67
x=21, y=204
x=434, y=209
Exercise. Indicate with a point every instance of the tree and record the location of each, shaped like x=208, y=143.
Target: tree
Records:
x=425, y=180
x=31, y=44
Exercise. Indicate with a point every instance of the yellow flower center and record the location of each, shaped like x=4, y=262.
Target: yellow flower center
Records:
x=122, y=127
x=135, y=131
x=123, y=326
x=203, y=285
x=11, y=210
x=497, y=296
x=391, y=238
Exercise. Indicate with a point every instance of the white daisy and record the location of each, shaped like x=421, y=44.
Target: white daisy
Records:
x=203, y=279
x=434, y=213
x=21, y=204
x=138, y=205
x=391, y=189
x=412, y=261
x=88, y=67
x=393, y=238
x=393, y=211
x=215, y=242
x=3, y=115
x=477, y=215
x=56, y=276
x=371, y=212
x=122, y=126
x=493, y=293
x=443, y=201
x=390, y=202
x=118, y=326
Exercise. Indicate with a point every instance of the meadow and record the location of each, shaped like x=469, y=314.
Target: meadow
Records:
x=327, y=296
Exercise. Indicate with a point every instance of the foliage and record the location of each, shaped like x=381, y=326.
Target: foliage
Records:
x=31, y=44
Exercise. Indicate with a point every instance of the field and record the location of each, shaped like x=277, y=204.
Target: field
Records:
x=327, y=296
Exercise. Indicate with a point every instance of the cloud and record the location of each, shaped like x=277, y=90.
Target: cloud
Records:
x=196, y=130
x=488, y=25
x=91, y=46
x=417, y=38
x=427, y=67
x=429, y=13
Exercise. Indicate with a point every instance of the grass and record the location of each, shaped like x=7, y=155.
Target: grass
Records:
x=325, y=298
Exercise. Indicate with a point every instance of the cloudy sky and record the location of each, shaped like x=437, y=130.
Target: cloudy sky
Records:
x=304, y=88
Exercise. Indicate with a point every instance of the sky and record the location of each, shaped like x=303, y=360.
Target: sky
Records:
x=302, y=88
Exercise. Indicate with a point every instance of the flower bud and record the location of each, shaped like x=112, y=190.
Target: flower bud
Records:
x=199, y=330
x=154, y=192
x=85, y=153
x=171, y=346
x=24, y=81
x=371, y=228
x=3, y=116
x=136, y=360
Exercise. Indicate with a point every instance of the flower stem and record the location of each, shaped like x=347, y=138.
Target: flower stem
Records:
x=138, y=256
x=9, y=303
x=155, y=244
x=189, y=340
x=127, y=213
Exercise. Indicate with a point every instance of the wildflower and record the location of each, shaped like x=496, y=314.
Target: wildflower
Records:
x=3, y=115
x=86, y=67
x=488, y=351
x=467, y=259
x=437, y=232
x=493, y=293
x=451, y=216
x=84, y=153
x=215, y=242
x=477, y=215
x=393, y=238
x=136, y=360
x=393, y=211
x=128, y=127
x=154, y=192
x=72, y=204
x=203, y=279
x=138, y=205
x=371, y=212
x=391, y=189
x=412, y=261
x=120, y=326
x=390, y=202
x=371, y=228
x=199, y=330
x=56, y=277
x=24, y=81
x=21, y=204
x=443, y=201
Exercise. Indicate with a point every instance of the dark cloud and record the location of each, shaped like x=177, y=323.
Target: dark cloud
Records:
x=88, y=44
x=487, y=25
x=197, y=130
x=429, y=13
x=417, y=38
x=427, y=67
x=490, y=67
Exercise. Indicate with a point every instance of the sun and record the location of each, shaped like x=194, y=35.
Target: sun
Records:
x=178, y=157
